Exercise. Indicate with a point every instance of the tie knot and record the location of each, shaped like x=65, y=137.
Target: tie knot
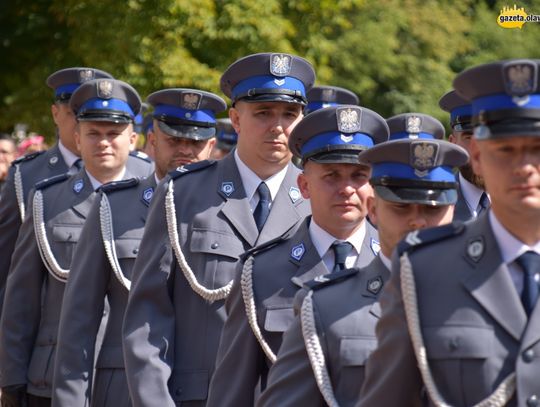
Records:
x=529, y=262
x=78, y=163
x=264, y=192
x=341, y=251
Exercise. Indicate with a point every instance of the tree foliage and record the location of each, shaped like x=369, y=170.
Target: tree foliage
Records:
x=398, y=56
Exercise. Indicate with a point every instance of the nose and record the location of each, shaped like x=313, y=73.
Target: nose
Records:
x=417, y=220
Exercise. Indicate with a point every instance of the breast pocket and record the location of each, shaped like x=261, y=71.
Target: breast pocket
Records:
x=278, y=319
x=459, y=360
x=214, y=254
x=126, y=252
x=64, y=239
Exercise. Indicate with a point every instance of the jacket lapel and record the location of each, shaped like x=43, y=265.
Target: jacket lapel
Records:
x=489, y=281
x=461, y=210
x=81, y=204
x=236, y=207
x=284, y=213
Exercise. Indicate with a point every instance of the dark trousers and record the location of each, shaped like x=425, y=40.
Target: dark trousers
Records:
x=36, y=401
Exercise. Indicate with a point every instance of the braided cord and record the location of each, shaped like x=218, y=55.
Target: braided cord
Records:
x=315, y=352
x=248, y=296
x=19, y=192
x=107, y=233
x=43, y=244
x=498, y=398
x=207, y=294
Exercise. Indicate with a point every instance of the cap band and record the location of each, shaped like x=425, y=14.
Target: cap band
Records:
x=334, y=140
x=405, y=135
x=459, y=112
x=312, y=106
x=68, y=88
x=287, y=83
x=504, y=101
x=399, y=170
x=106, y=104
x=203, y=116
x=228, y=137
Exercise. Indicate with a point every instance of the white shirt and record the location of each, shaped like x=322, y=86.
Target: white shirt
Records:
x=511, y=248
x=471, y=193
x=251, y=182
x=96, y=184
x=68, y=156
x=322, y=240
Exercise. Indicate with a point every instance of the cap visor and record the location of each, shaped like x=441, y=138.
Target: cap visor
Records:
x=337, y=157
x=433, y=197
x=110, y=118
x=189, y=132
x=272, y=98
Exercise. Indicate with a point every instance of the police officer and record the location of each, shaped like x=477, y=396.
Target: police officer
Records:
x=459, y=315
x=43, y=254
x=322, y=359
x=106, y=252
x=211, y=213
x=327, y=143
x=26, y=171
x=472, y=198
x=226, y=139
x=320, y=97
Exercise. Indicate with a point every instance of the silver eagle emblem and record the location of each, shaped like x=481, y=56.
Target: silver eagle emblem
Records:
x=280, y=64
x=348, y=119
x=105, y=89
x=191, y=101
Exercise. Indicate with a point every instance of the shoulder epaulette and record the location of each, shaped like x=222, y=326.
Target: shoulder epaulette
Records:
x=327, y=279
x=117, y=185
x=47, y=182
x=140, y=155
x=27, y=157
x=422, y=237
x=186, y=169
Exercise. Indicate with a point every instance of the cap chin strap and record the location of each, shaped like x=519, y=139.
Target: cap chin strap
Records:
x=502, y=394
x=172, y=228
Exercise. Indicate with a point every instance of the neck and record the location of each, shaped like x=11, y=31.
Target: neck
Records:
x=524, y=225
x=343, y=233
x=105, y=177
x=264, y=170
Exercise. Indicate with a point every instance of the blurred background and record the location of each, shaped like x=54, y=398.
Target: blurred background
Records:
x=397, y=56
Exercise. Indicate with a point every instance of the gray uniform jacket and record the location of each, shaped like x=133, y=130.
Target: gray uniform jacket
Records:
x=24, y=173
x=171, y=333
x=345, y=311
x=472, y=322
x=28, y=330
x=461, y=210
x=277, y=274
x=93, y=278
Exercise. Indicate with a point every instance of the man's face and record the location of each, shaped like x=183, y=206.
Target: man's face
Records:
x=394, y=219
x=263, y=130
x=104, y=146
x=65, y=121
x=338, y=195
x=463, y=139
x=7, y=155
x=172, y=152
x=511, y=170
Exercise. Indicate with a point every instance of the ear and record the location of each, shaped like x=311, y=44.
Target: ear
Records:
x=372, y=209
x=234, y=115
x=77, y=137
x=303, y=184
x=474, y=153
x=211, y=144
x=54, y=112
x=452, y=138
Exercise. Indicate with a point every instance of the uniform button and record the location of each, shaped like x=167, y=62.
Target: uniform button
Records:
x=214, y=245
x=178, y=392
x=135, y=251
x=454, y=344
x=528, y=355
x=533, y=401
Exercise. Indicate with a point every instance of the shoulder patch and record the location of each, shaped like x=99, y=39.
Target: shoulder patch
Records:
x=47, y=182
x=27, y=157
x=186, y=169
x=327, y=279
x=140, y=155
x=422, y=237
x=118, y=185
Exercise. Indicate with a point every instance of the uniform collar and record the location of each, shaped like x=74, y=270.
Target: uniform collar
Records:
x=322, y=240
x=69, y=157
x=96, y=184
x=251, y=181
x=385, y=260
x=510, y=247
x=471, y=194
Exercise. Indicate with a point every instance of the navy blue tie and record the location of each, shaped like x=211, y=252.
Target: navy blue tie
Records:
x=263, y=207
x=78, y=164
x=341, y=251
x=483, y=204
x=530, y=263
